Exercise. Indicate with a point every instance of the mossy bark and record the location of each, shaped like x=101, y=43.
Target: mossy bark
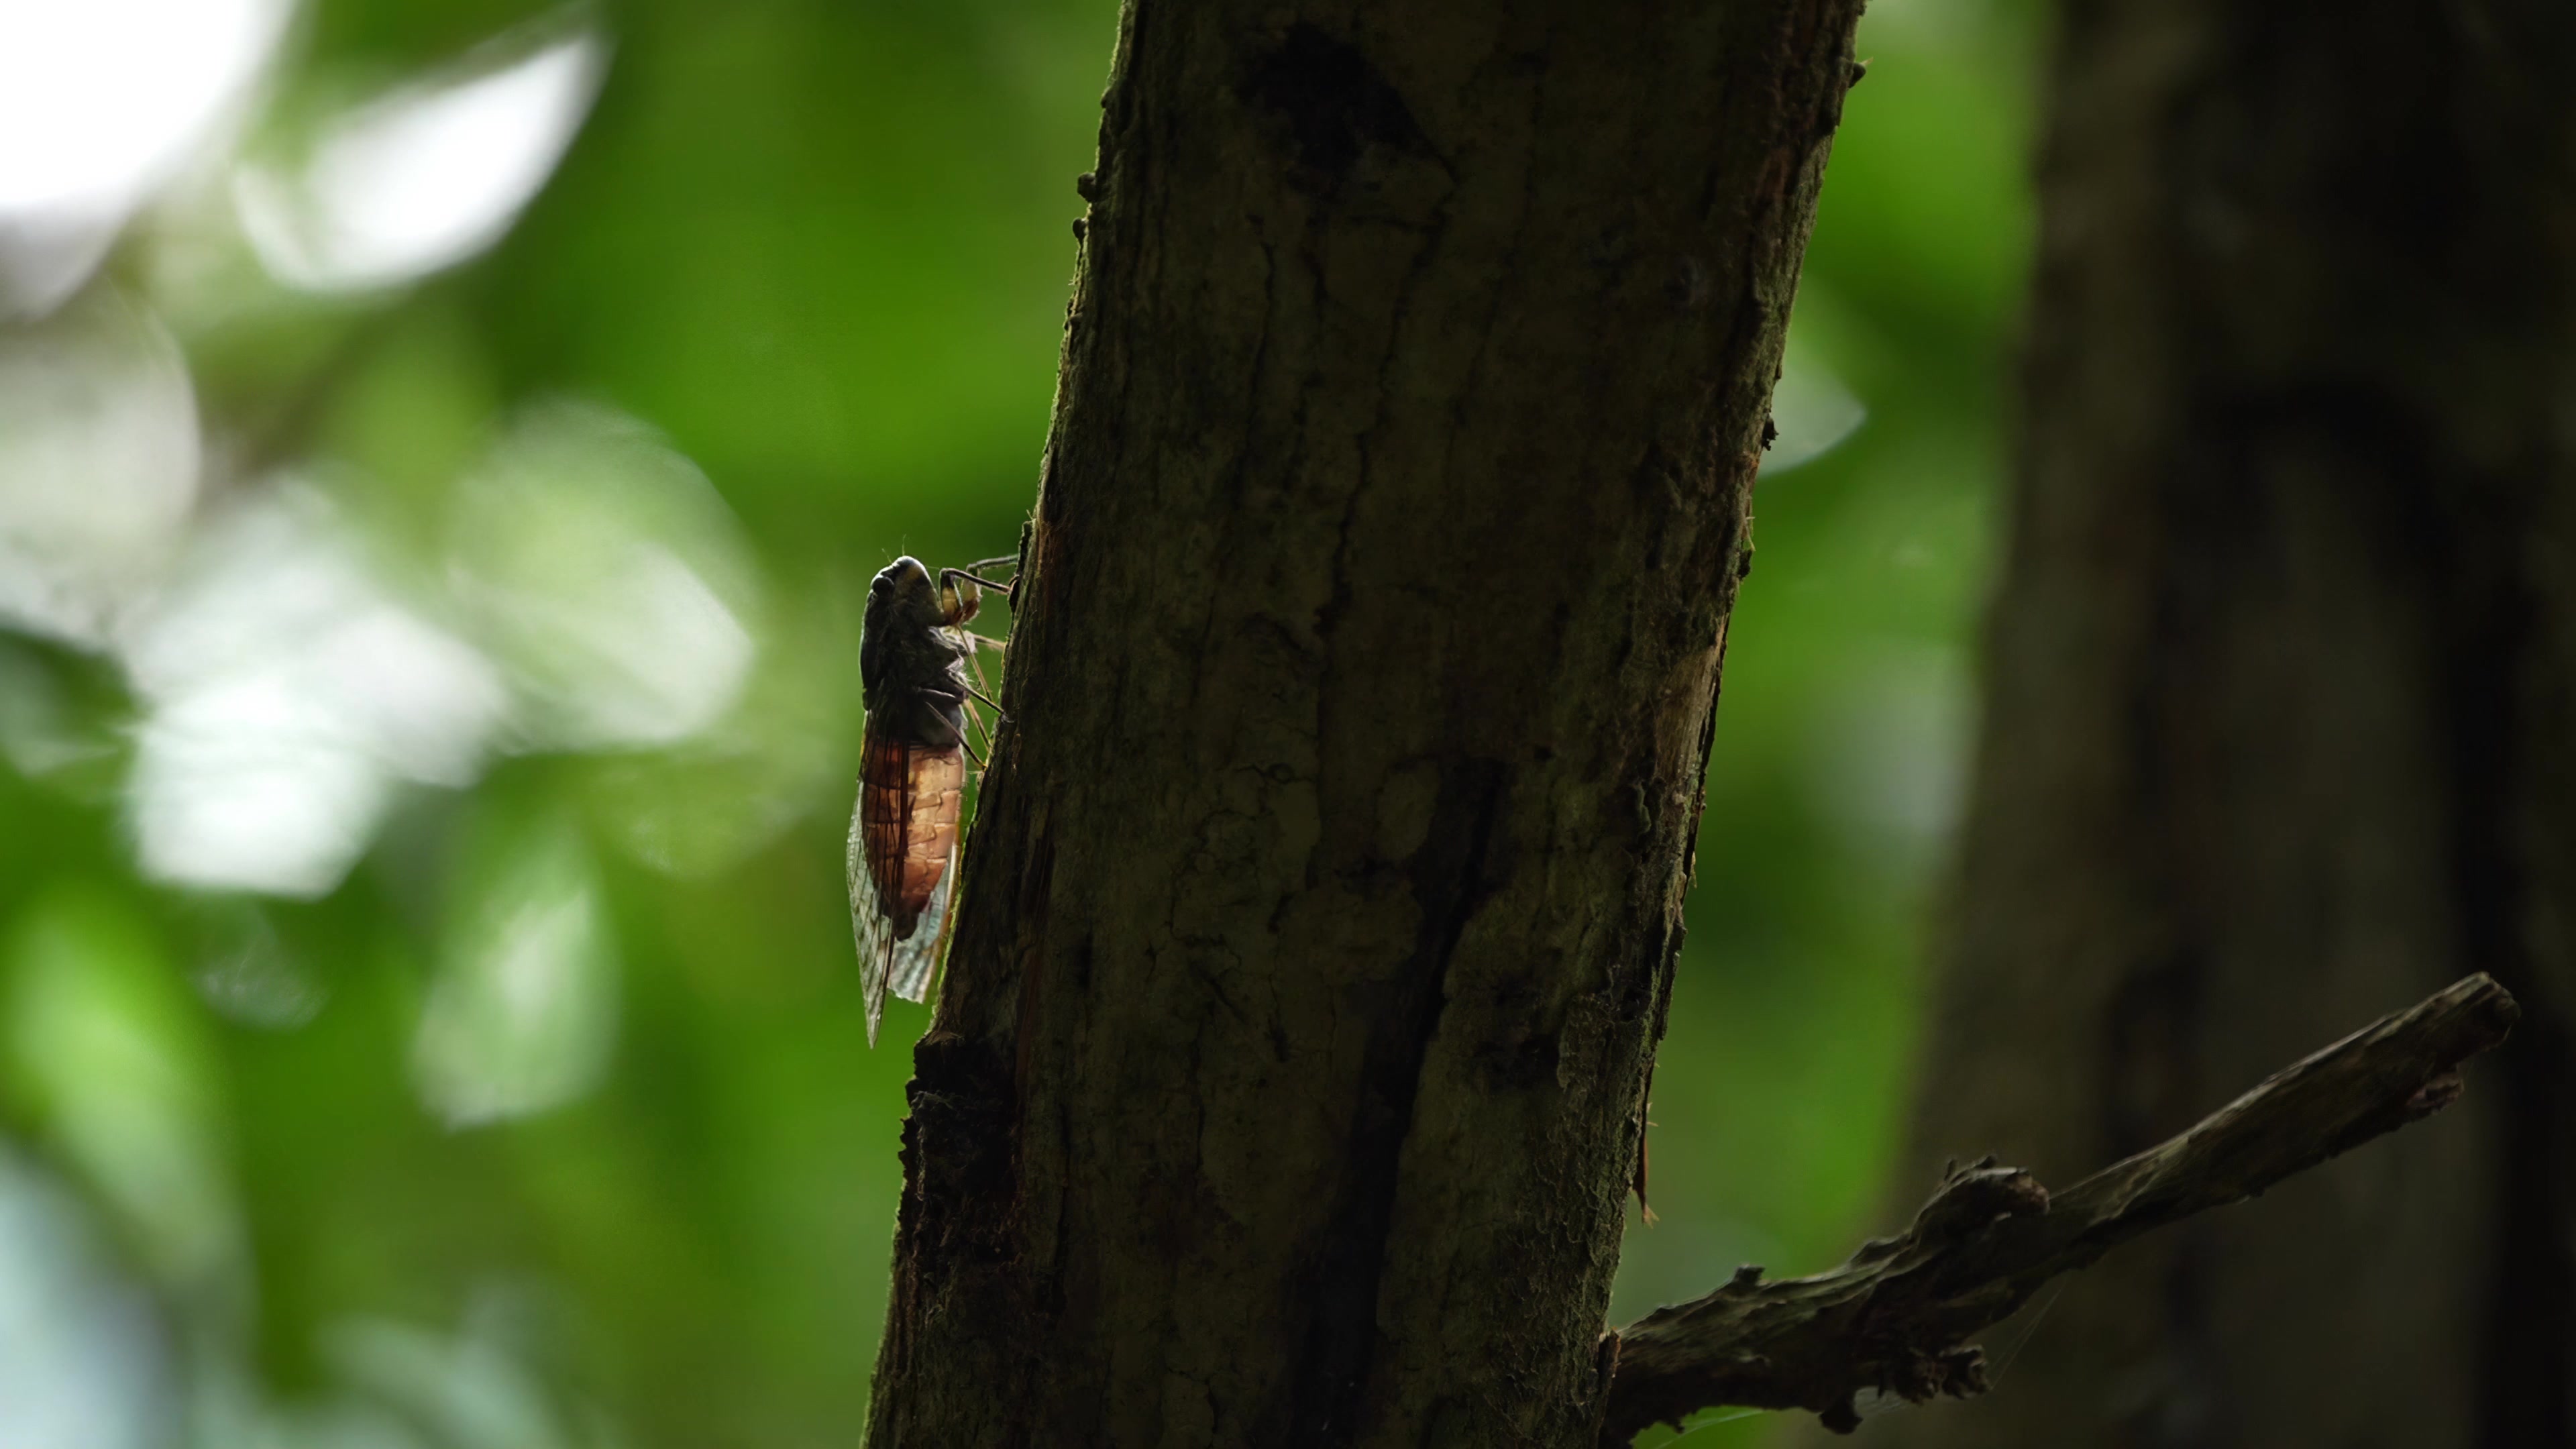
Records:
x=1322, y=902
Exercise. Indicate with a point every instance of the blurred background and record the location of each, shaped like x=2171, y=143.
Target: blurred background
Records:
x=443, y=448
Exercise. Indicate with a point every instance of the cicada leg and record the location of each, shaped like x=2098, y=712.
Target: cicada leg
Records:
x=985, y=700
x=973, y=719
x=1645, y=1104
x=960, y=592
x=976, y=644
x=948, y=579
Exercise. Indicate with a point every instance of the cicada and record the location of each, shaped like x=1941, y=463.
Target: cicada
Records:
x=915, y=653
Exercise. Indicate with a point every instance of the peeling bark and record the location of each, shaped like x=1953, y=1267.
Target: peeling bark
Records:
x=1321, y=907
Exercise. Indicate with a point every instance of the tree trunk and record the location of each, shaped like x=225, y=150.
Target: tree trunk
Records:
x=2279, y=726
x=1321, y=908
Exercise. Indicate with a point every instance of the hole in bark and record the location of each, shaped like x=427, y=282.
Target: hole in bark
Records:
x=1335, y=103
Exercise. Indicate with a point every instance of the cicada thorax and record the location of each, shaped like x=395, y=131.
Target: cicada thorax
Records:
x=904, y=835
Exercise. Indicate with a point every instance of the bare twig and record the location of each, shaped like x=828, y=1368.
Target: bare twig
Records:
x=1894, y=1318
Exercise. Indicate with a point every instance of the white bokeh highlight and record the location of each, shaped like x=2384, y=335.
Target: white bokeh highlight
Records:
x=422, y=178
x=82, y=1362
x=1890, y=756
x=101, y=102
x=99, y=466
x=599, y=565
x=476, y=1385
x=1812, y=412
x=247, y=975
x=287, y=695
x=522, y=1016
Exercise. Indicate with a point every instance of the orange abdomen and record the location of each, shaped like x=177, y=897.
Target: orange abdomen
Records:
x=909, y=799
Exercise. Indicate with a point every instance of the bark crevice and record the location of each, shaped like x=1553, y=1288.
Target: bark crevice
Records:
x=1449, y=884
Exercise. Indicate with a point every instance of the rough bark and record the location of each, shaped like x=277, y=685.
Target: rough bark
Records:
x=1322, y=902
x=2278, y=718
x=1893, y=1322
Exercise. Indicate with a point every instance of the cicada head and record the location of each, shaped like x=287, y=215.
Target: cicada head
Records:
x=904, y=584
x=903, y=605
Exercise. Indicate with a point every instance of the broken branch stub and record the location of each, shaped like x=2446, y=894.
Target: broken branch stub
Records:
x=1895, y=1318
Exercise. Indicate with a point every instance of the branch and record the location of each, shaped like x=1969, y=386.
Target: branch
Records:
x=1894, y=1318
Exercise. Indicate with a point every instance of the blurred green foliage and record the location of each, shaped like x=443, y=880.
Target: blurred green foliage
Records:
x=1848, y=705
x=822, y=249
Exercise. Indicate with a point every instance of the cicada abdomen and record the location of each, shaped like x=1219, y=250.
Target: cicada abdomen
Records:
x=914, y=651
x=910, y=800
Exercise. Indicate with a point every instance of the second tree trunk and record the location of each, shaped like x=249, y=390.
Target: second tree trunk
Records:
x=2281, y=714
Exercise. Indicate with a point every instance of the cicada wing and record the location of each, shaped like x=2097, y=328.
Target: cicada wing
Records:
x=879, y=861
x=916, y=961
x=869, y=927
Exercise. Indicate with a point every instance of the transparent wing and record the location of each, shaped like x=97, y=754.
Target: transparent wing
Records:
x=868, y=924
x=911, y=964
